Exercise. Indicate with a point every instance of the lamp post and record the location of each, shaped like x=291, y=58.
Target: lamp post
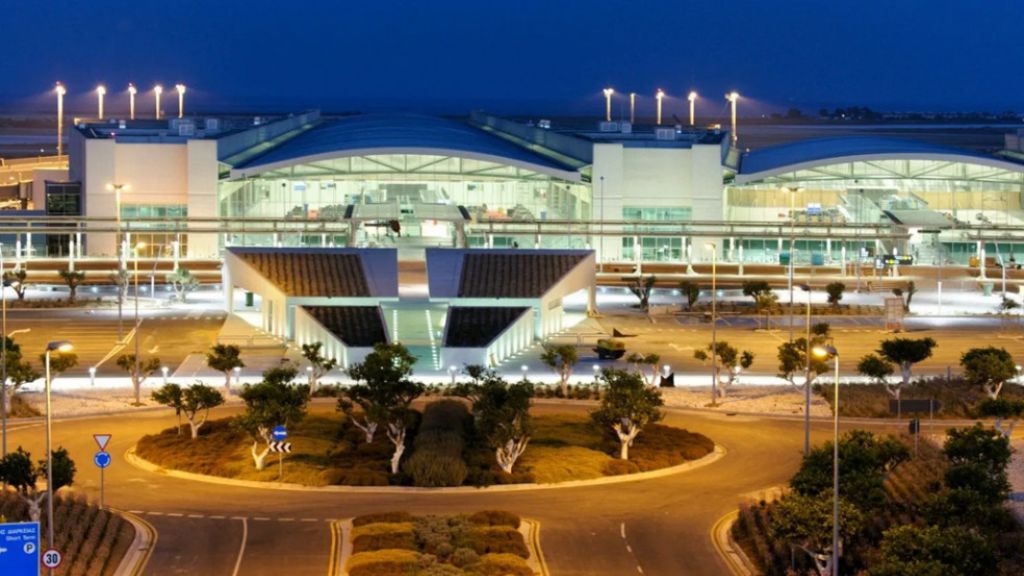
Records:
x=132, y=90
x=138, y=320
x=56, y=346
x=659, y=96
x=733, y=97
x=157, y=91
x=453, y=372
x=101, y=91
x=793, y=191
x=92, y=376
x=122, y=288
x=692, y=97
x=61, y=91
x=831, y=352
x=608, y=103
x=632, y=107
x=807, y=374
x=714, y=320
x=164, y=370
x=181, y=99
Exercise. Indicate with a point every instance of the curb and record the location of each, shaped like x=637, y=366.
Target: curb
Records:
x=135, y=561
x=530, y=530
x=341, y=547
x=137, y=461
x=728, y=549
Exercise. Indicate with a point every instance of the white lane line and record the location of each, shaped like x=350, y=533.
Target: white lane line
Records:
x=241, y=551
x=175, y=514
x=136, y=511
x=218, y=517
x=238, y=518
x=639, y=569
x=622, y=530
x=629, y=548
x=155, y=513
x=196, y=516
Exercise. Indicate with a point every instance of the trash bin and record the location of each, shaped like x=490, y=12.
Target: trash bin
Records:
x=817, y=259
x=250, y=300
x=986, y=288
x=784, y=258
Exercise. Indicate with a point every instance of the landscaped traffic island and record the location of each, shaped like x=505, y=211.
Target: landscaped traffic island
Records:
x=443, y=450
x=486, y=543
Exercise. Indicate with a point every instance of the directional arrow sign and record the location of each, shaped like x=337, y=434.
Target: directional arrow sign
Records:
x=102, y=440
x=280, y=433
x=285, y=447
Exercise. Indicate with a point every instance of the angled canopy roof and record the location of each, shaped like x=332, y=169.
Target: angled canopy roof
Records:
x=371, y=134
x=810, y=153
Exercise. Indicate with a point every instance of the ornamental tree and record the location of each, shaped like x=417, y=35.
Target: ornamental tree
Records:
x=138, y=371
x=169, y=395
x=19, y=373
x=1002, y=409
x=562, y=359
x=641, y=287
x=18, y=471
x=627, y=406
x=690, y=291
x=728, y=358
x=865, y=460
x=225, y=358
x=878, y=369
x=182, y=283
x=911, y=550
x=17, y=278
x=764, y=298
x=384, y=393
x=805, y=521
x=646, y=365
x=989, y=368
x=502, y=414
x=73, y=279
x=196, y=402
x=978, y=458
x=905, y=352
x=794, y=358
x=273, y=401
x=835, y=293
x=320, y=363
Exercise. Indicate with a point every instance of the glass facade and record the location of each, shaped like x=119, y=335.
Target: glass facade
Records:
x=148, y=224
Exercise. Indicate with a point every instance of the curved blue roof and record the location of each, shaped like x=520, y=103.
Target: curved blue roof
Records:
x=397, y=134
x=821, y=151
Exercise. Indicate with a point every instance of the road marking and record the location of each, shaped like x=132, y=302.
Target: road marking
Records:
x=334, y=562
x=136, y=511
x=241, y=551
x=639, y=569
x=622, y=530
x=196, y=516
x=238, y=518
x=175, y=514
x=218, y=517
x=629, y=548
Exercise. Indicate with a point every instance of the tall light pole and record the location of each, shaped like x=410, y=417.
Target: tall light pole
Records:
x=608, y=103
x=714, y=321
x=157, y=91
x=807, y=374
x=181, y=99
x=733, y=97
x=659, y=96
x=692, y=97
x=101, y=91
x=793, y=191
x=132, y=91
x=831, y=352
x=56, y=346
x=138, y=322
x=117, y=189
x=632, y=107
x=61, y=91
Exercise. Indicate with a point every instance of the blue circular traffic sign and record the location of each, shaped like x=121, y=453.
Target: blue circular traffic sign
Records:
x=101, y=459
x=280, y=433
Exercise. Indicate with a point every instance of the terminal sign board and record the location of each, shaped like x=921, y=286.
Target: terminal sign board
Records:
x=887, y=260
x=19, y=549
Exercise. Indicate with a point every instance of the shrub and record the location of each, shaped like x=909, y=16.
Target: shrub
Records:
x=383, y=536
x=441, y=570
x=384, y=563
x=501, y=565
x=435, y=470
x=494, y=518
x=494, y=540
x=463, y=557
x=437, y=451
x=382, y=518
x=620, y=467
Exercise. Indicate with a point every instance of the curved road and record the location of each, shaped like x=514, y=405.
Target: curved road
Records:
x=659, y=526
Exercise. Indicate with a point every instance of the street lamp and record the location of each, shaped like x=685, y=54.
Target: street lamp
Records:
x=524, y=369
x=692, y=97
x=132, y=90
x=793, y=191
x=452, y=372
x=733, y=97
x=831, y=352
x=61, y=91
x=714, y=320
x=164, y=370
x=807, y=374
x=632, y=107
x=101, y=91
x=138, y=321
x=659, y=96
x=92, y=375
x=157, y=91
x=117, y=189
x=58, y=346
x=181, y=99
x=608, y=103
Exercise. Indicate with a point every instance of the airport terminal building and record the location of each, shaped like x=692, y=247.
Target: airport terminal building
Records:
x=193, y=187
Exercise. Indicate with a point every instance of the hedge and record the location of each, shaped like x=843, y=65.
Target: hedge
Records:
x=501, y=565
x=383, y=518
x=384, y=563
x=494, y=540
x=494, y=518
x=382, y=536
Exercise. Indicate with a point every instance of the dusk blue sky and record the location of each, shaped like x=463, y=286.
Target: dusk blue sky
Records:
x=529, y=56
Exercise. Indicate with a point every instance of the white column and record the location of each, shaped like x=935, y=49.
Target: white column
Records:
x=176, y=254
x=842, y=259
x=28, y=246
x=71, y=255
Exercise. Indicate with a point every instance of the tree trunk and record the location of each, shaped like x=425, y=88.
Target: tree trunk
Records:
x=137, y=386
x=227, y=383
x=195, y=428
x=396, y=434
x=179, y=423
x=508, y=454
x=259, y=459
x=370, y=428
x=8, y=392
x=626, y=432
x=34, y=509
x=905, y=372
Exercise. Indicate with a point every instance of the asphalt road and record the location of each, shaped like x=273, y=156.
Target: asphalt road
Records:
x=659, y=526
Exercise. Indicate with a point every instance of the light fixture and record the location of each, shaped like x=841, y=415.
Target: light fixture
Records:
x=181, y=99
x=157, y=91
x=692, y=97
x=132, y=91
x=101, y=91
x=733, y=97
x=659, y=96
x=608, y=103
x=61, y=91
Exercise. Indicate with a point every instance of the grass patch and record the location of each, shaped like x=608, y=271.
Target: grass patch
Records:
x=327, y=449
